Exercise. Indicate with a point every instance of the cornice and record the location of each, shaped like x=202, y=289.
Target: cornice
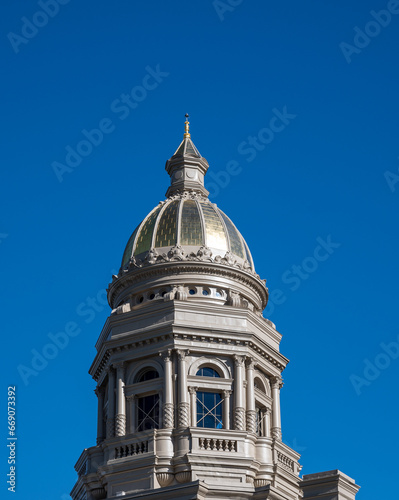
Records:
x=194, y=341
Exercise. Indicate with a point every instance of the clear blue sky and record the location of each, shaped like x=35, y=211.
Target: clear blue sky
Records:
x=321, y=176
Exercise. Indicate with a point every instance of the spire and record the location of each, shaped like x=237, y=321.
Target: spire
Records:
x=187, y=167
x=187, y=147
x=186, y=127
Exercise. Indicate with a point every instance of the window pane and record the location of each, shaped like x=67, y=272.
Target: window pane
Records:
x=207, y=372
x=147, y=375
x=148, y=412
x=260, y=422
x=209, y=410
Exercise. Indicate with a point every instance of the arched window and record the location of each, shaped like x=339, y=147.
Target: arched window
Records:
x=206, y=371
x=258, y=384
x=147, y=374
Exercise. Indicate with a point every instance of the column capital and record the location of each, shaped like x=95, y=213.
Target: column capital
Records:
x=239, y=360
x=110, y=370
x=131, y=397
x=227, y=394
x=118, y=365
x=277, y=382
x=99, y=391
x=182, y=354
x=166, y=355
x=192, y=390
x=250, y=363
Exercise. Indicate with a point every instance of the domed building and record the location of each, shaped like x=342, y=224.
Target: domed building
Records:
x=188, y=370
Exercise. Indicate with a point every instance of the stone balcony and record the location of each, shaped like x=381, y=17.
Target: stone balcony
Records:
x=201, y=441
x=186, y=455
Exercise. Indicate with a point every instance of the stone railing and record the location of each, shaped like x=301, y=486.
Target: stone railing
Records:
x=130, y=450
x=212, y=444
x=285, y=462
x=205, y=440
x=286, y=458
x=131, y=446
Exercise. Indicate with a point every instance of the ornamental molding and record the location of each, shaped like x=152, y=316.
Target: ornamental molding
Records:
x=177, y=253
x=186, y=195
x=250, y=363
x=127, y=278
x=99, y=391
x=181, y=354
x=277, y=382
x=190, y=337
x=119, y=366
x=239, y=360
x=166, y=356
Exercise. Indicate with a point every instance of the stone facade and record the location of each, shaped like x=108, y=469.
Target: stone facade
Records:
x=188, y=370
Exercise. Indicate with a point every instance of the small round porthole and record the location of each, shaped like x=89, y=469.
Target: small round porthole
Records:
x=152, y=296
x=192, y=291
x=205, y=292
x=141, y=299
x=218, y=294
x=163, y=293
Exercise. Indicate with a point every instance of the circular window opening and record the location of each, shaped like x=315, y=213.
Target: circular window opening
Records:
x=141, y=299
x=205, y=292
x=218, y=294
x=163, y=293
x=152, y=296
x=192, y=291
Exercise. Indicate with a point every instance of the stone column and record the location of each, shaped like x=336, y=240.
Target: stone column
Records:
x=193, y=405
x=251, y=413
x=239, y=410
x=100, y=414
x=130, y=400
x=183, y=406
x=168, y=408
x=226, y=409
x=111, y=403
x=120, y=419
x=267, y=422
x=277, y=384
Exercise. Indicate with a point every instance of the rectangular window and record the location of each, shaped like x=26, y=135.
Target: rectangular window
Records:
x=148, y=413
x=209, y=410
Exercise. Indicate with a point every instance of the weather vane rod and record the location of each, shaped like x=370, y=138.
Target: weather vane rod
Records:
x=186, y=127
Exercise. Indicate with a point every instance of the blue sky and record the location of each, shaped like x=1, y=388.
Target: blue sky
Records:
x=329, y=174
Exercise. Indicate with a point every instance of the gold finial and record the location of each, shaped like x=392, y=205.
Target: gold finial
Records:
x=186, y=127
